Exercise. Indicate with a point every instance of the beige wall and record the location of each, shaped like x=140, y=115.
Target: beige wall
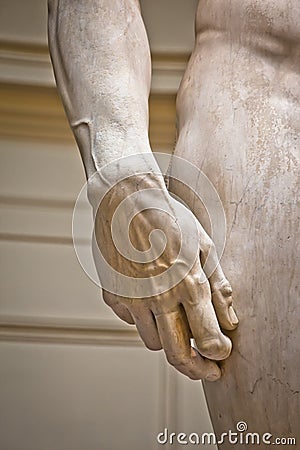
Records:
x=72, y=376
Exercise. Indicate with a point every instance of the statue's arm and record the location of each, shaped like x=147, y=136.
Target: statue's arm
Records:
x=102, y=65
x=101, y=59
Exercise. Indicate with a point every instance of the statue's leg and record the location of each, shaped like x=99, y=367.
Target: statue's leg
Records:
x=238, y=120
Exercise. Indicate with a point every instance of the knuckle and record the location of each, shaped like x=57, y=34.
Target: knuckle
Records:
x=198, y=288
x=207, y=244
x=199, y=279
x=224, y=290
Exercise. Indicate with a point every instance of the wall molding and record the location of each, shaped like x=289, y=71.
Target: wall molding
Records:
x=167, y=71
x=31, y=202
x=25, y=64
x=37, y=221
x=31, y=108
x=30, y=64
x=36, y=112
x=51, y=330
x=32, y=112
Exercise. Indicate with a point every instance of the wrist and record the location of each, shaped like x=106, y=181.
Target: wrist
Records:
x=123, y=176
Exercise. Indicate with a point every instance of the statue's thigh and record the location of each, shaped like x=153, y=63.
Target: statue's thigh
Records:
x=261, y=261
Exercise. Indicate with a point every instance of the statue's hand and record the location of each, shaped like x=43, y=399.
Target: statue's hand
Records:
x=168, y=296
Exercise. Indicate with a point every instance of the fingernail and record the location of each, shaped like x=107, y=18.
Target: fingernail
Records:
x=233, y=317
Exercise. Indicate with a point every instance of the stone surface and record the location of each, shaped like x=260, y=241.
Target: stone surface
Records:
x=238, y=120
x=238, y=109
x=103, y=74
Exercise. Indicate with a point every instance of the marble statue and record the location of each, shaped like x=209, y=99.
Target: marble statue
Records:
x=238, y=120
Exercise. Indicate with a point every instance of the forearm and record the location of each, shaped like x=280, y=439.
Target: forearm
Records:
x=101, y=59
